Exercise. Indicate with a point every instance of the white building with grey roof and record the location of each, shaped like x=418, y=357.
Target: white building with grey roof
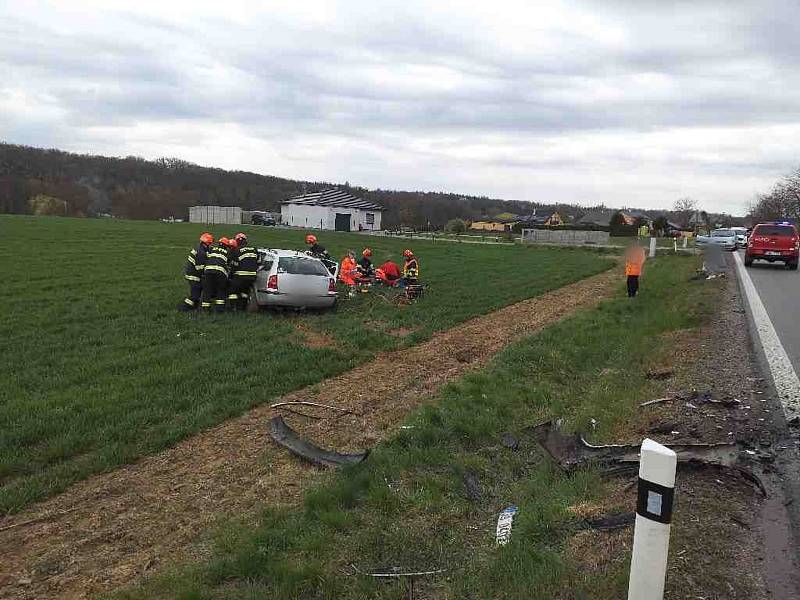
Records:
x=331, y=209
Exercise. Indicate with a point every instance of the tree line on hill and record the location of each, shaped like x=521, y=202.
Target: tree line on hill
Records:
x=54, y=182
x=781, y=202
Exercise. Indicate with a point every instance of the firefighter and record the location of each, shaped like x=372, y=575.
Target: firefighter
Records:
x=215, y=276
x=315, y=249
x=193, y=272
x=365, y=269
x=410, y=268
x=243, y=272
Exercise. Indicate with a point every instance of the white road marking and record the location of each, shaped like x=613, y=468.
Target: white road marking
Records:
x=783, y=374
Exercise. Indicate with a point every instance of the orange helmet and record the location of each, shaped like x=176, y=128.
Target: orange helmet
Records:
x=224, y=241
x=232, y=244
x=311, y=239
x=408, y=253
x=241, y=238
x=206, y=238
x=366, y=252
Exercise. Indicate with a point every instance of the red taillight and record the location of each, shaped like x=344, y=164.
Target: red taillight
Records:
x=272, y=283
x=331, y=285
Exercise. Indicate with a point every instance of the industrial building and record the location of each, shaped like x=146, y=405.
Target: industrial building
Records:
x=331, y=209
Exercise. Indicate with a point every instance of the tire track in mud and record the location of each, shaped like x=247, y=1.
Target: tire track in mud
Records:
x=110, y=529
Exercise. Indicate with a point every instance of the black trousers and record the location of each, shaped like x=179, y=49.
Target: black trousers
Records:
x=633, y=285
x=215, y=287
x=192, y=300
x=239, y=290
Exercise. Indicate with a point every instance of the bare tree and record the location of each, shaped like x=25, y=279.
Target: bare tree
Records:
x=782, y=201
x=685, y=207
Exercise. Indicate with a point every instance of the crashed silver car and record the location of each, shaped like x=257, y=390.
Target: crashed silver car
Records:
x=291, y=279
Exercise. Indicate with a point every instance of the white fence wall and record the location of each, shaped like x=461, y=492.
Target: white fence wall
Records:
x=231, y=215
x=565, y=236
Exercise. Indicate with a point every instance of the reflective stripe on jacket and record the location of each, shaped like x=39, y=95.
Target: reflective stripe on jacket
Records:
x=411, y=268
x=195, y=263
x=218, y=258
x=245, y=262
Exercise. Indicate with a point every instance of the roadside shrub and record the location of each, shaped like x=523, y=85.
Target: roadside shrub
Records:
x=455, y=226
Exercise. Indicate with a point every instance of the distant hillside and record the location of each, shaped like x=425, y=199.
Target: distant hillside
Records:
x=57, y=182
x=131, y=187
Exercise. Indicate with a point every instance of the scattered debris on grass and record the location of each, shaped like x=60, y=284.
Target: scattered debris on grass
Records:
x=288, y=438
x=504, y=523
x=657, y=401
x=471, y=485
x=509, y=441
x=609, y=522
x=303, y=403
x=571, y=452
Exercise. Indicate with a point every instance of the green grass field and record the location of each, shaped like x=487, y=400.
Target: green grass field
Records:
x=100, y=369
x=406, y=505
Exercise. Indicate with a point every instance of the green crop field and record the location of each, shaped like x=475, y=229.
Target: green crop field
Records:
x=407, y=505
x=100, y=369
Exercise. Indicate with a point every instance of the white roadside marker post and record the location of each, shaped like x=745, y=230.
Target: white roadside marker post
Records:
x=653, y=517
x=685, y=241
x=652, y=247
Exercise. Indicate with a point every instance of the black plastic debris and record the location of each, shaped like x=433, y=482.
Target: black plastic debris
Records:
x=509, y=441
x=288, y=438
x=609, y=522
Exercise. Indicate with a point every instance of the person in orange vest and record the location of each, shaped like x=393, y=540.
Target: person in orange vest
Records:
x=634, y=259
x=348, y=272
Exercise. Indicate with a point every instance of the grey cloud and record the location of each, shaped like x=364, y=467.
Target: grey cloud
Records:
x=404, y=74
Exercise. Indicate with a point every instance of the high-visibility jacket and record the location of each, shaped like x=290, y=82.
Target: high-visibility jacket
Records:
x=411, y=268
x=634, y=259
x=195, y=263
x=218, y=258
x=390, y=270
x=245, y=261
x=347, y=272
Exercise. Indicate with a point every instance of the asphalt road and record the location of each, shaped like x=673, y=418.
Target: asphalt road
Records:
x=779, y=289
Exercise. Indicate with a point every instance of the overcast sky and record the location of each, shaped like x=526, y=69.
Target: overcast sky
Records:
x=631, y=102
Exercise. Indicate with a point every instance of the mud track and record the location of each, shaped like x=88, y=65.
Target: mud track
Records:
x=111, y=529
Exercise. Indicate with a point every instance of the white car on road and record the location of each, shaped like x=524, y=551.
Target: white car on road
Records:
x=725, y=238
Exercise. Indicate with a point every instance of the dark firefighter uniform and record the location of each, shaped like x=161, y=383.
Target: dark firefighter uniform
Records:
x=243, y=275
x=215, y=277
x=411, y=269
x=364, y=267
x=318, y=251
x=193, y=273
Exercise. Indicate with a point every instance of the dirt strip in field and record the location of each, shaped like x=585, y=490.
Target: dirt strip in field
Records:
x=113, y=528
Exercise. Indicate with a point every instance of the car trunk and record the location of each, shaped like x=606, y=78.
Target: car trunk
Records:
x=303, y=285
x=302, y=277
x=773, y=238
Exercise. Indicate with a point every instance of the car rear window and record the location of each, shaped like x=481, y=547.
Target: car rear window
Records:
x=776, y=230
x=722, y=233
x=301, y=266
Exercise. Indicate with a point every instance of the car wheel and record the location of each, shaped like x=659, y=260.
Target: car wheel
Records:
x=748, y=261
x=252, y=301
x=792, y=266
